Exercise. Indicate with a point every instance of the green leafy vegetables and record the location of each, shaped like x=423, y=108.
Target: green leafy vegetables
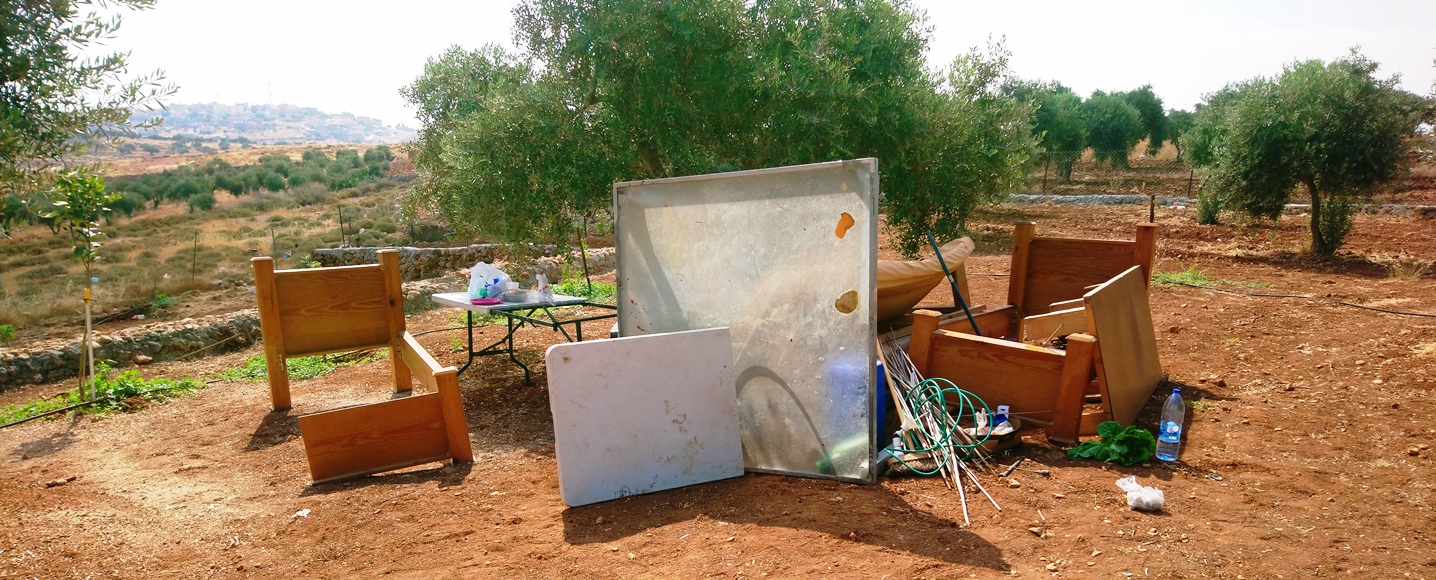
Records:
x=1128, y=446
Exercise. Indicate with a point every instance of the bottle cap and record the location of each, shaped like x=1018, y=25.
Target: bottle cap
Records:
x=1176, y=391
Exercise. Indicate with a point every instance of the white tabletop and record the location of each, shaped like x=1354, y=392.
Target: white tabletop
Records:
x=461, y=300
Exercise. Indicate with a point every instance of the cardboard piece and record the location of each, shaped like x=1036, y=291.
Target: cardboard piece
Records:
x=642, y=414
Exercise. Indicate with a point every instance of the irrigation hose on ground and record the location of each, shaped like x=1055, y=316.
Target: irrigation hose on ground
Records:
x=931, y=394
x=1269, y=295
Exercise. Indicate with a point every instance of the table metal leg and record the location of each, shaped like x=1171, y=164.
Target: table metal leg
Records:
x=527, y=379
x=470, y=326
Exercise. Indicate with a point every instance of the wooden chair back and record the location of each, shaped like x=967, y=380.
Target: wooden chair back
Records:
x=1048, y=270
x=325, y=310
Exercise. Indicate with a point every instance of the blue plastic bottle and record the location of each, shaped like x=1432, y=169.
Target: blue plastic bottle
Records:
x=1169, y=431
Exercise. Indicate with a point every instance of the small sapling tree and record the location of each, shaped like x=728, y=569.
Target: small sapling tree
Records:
x=77, y=202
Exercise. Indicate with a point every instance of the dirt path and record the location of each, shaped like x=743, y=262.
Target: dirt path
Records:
x=1309, y=455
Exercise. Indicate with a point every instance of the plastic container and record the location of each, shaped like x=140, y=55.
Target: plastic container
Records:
x=1169, y=431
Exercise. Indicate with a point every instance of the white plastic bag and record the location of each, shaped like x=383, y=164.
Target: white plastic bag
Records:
x=545, y=291
x=486, y=281
x=1141, y=497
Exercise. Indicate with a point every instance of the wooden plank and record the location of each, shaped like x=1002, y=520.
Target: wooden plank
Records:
x=919, y=349
x=1017, y=275
x=372, y=438
x=1000, y=372
x=394, y=296
x=1061, y=322
x=1066, y=305
x=1120, y=314
x=270, y=331
x=1145, y=252
x=1076, y=373
x=456, y=423
x=1061, y=268
x=420, y=362
x=332, y=309
x=995, y=323
x=1090, y=420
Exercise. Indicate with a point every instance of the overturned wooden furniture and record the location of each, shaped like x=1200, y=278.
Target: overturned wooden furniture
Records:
x=1054, y=291
x=326, y=310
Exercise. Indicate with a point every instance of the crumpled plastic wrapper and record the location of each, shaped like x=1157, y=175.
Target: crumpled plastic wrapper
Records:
x=1141, y=497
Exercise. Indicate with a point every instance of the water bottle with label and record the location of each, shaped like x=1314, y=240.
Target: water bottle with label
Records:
x=1169, y=431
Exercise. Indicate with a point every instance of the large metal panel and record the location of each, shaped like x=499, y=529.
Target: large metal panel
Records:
x=787, y=259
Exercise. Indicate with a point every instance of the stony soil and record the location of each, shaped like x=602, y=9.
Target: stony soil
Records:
x=1309, y=455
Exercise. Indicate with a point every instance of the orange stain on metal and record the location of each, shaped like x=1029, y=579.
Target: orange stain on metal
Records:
x=848, y=302
x=845, y=222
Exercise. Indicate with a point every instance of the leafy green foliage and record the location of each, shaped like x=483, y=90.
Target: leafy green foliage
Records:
x=300, y=368
x=1059, y=122
x=1333, y=128
x=55, y=98
x=1209, y=208
x=1193, y=276
x=1153, y=117
x=520, y=147
x=112, y=393
x=1128, y=446
x=1113, y=127
x=605, y=293
x=1178, y=123
x=7, y=333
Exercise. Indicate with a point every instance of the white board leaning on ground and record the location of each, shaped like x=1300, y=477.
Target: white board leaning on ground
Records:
x=642, y=414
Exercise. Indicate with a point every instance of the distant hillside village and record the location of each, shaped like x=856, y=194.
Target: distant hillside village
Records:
x=278, y=124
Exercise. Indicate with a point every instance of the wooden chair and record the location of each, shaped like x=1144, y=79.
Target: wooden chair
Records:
x=1092, y=291
x=326, y=310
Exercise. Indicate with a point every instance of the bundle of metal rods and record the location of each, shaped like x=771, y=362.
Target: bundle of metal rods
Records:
x=929, y=427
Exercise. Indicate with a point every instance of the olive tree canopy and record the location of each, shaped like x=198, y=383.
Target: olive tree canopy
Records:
x=518, y=146
x=1334, y=130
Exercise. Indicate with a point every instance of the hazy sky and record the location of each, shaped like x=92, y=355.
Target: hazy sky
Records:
x=353, y=56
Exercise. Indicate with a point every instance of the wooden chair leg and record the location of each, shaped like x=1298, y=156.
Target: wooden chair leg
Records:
x=1072, y=387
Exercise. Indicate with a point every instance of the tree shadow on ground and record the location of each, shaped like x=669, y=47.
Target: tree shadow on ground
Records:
x=868, y=514
x=52, y=443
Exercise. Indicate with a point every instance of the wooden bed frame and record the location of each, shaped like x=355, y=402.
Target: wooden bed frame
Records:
x=1092, y=291
x=326, y=310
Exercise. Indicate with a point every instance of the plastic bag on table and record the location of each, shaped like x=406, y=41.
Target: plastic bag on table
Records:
x=545, y=291
x=1141, y=497
x=486, y=281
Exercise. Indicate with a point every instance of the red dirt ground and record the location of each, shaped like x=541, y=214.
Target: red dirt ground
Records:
x=1309, y=454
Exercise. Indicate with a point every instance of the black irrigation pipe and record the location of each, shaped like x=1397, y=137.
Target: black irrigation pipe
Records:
x=1273, y=295
x=88, y=403
x=1305, y=297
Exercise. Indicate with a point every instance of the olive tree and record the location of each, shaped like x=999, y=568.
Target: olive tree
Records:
x=520, y=145
x=53, y=99
x=1113, y=127
x=1057, y=123
x=1153, y=116
x=1333, y=130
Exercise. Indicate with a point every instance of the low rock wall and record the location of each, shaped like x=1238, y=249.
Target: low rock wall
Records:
x=424, y=263
x=53, y=360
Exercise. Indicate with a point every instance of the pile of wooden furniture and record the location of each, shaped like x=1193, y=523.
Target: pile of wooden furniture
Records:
x=1093, y=292
x=328, y=310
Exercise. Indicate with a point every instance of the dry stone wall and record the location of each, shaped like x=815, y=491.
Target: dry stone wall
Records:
x=424, y=263
x=53, y=360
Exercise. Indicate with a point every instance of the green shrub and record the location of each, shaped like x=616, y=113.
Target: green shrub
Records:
x=203, y=201
x=117, y=393
x=7, y=333
x=1209, y=207
x=300, y=368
